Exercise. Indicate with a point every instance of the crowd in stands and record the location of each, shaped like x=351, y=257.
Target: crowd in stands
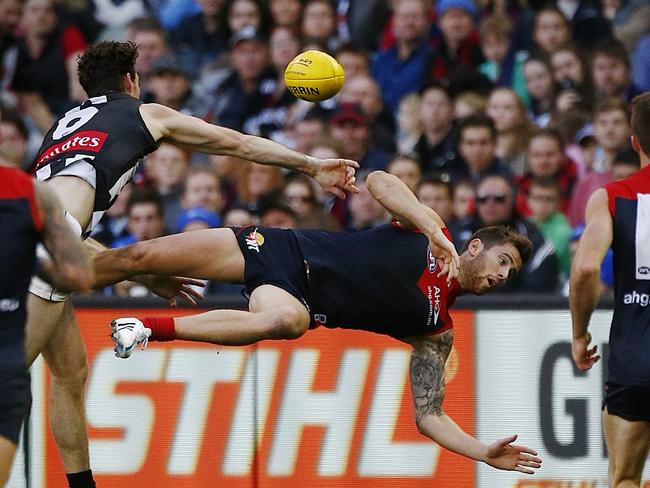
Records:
x=492, y=111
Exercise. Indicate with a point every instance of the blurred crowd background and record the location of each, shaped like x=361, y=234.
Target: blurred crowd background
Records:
x=492, y=112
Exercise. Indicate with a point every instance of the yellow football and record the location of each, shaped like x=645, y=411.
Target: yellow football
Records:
x=314, y=76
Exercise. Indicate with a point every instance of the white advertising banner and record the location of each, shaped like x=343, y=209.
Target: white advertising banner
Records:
x=527, y=384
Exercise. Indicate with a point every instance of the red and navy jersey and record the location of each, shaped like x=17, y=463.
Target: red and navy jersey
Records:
x=629, y=341
x=382, y=280
x=20, y=228
x=100, y=141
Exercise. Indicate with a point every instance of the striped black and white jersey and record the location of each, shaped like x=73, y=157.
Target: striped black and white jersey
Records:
x=629, y=341
x=100, y=141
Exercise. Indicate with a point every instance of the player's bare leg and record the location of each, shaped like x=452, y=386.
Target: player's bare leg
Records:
x=7, y=451
x=211, y=254
x=627, y=445
x=274, y=314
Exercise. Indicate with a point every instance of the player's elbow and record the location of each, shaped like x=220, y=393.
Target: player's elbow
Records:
x=583, y=269
x=429, y=425
x=75, y=277
x=377, y=182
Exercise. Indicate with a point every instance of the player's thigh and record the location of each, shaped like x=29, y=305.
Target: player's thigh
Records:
x=64, y=352
x=627, y=443
x=211, y=254
x=43, y=317
x=269, y=297
x=7, y=451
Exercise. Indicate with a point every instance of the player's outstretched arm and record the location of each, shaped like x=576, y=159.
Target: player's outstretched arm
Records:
x=70, y=268
x=334, y=175
x=402, y=204
x=428, y=387
x=585, y=272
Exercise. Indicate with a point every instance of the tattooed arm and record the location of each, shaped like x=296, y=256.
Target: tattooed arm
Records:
x=70, y=267
x=428, y=387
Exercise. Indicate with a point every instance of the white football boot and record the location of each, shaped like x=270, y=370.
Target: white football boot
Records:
x=127, y=333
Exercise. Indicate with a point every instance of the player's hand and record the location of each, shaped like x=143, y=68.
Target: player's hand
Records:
x=444, y=252
x=584, y=357
x=336, y=176
x=507, y=456
x=173, y=287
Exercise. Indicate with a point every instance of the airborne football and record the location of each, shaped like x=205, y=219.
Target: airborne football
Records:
x=314, y=76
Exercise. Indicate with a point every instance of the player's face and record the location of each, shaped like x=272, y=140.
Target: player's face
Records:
x=487, y=269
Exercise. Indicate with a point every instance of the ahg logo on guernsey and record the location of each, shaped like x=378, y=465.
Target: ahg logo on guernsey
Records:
x=642, y=299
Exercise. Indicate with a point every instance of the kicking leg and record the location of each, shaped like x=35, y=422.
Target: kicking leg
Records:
x=627, y=445
x=211, y=254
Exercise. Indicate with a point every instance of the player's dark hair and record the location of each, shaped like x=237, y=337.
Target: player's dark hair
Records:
x=477, y=120
x=103, y=66
x=641, y=121
x=497, y=235
x=144, y=196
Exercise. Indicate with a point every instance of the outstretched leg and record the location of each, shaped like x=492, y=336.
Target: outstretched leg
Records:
x=211, y=254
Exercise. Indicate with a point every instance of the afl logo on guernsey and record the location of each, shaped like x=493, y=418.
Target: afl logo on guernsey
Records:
x=431, y=261
x=644, y=270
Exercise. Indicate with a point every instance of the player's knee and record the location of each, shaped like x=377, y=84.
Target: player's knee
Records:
x=72, y=376
x=287, y=323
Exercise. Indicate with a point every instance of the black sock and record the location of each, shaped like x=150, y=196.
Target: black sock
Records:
x=83, y=479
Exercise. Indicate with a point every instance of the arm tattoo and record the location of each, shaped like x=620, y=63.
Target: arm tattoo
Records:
x=427, y=374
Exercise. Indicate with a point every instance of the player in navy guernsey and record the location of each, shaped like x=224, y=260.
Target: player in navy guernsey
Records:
x=29, y=213
x=87, y=157
x=393, y=280
x=618, y=215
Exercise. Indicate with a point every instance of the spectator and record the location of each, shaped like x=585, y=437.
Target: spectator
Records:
x=409, y=128
x=573, y=78
x=463, y=212
x=547, y=159
x=365, y=92
x=271, y=119
x=10, y=14
x=319, y=23
x=230, y=171
x=407, y=169
x=543, y=201
x=239, y=216
x=199, y=38
x=610, y=71
x=167, y=168
x=477, y=146
x=641, y=63
x=436, y=147
x=286, y=13
x=197, y=218
x=146, y=217
x=354, y=60
x=503, y=65
x=46, y=65
x=458, y=44
x=587, y=21
x=249, y=87
x=116, y=15
x=169, y=85
x=274, y=213
x=301, y=197
x=13, y=141
x=307, y=130
x=612, y=130
x=149, y=36
x=350, y=126
x=550, y=30
x=435, y=191
x=538, y=76
x=626, y=163
x=361, y=21
x=401, y=69
x=236, y=15
x=261, y=182
x=365, y=211
x=202, y=189
x=496, y=206
x=469, y=103
x=113, y=224
x=508, y=113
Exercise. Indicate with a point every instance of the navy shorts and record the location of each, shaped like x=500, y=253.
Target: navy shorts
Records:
x=630, y=402
x=273, y=257
x=15, y=401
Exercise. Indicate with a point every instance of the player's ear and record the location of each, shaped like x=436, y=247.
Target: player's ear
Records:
x=475, y=247
x=635, y=143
